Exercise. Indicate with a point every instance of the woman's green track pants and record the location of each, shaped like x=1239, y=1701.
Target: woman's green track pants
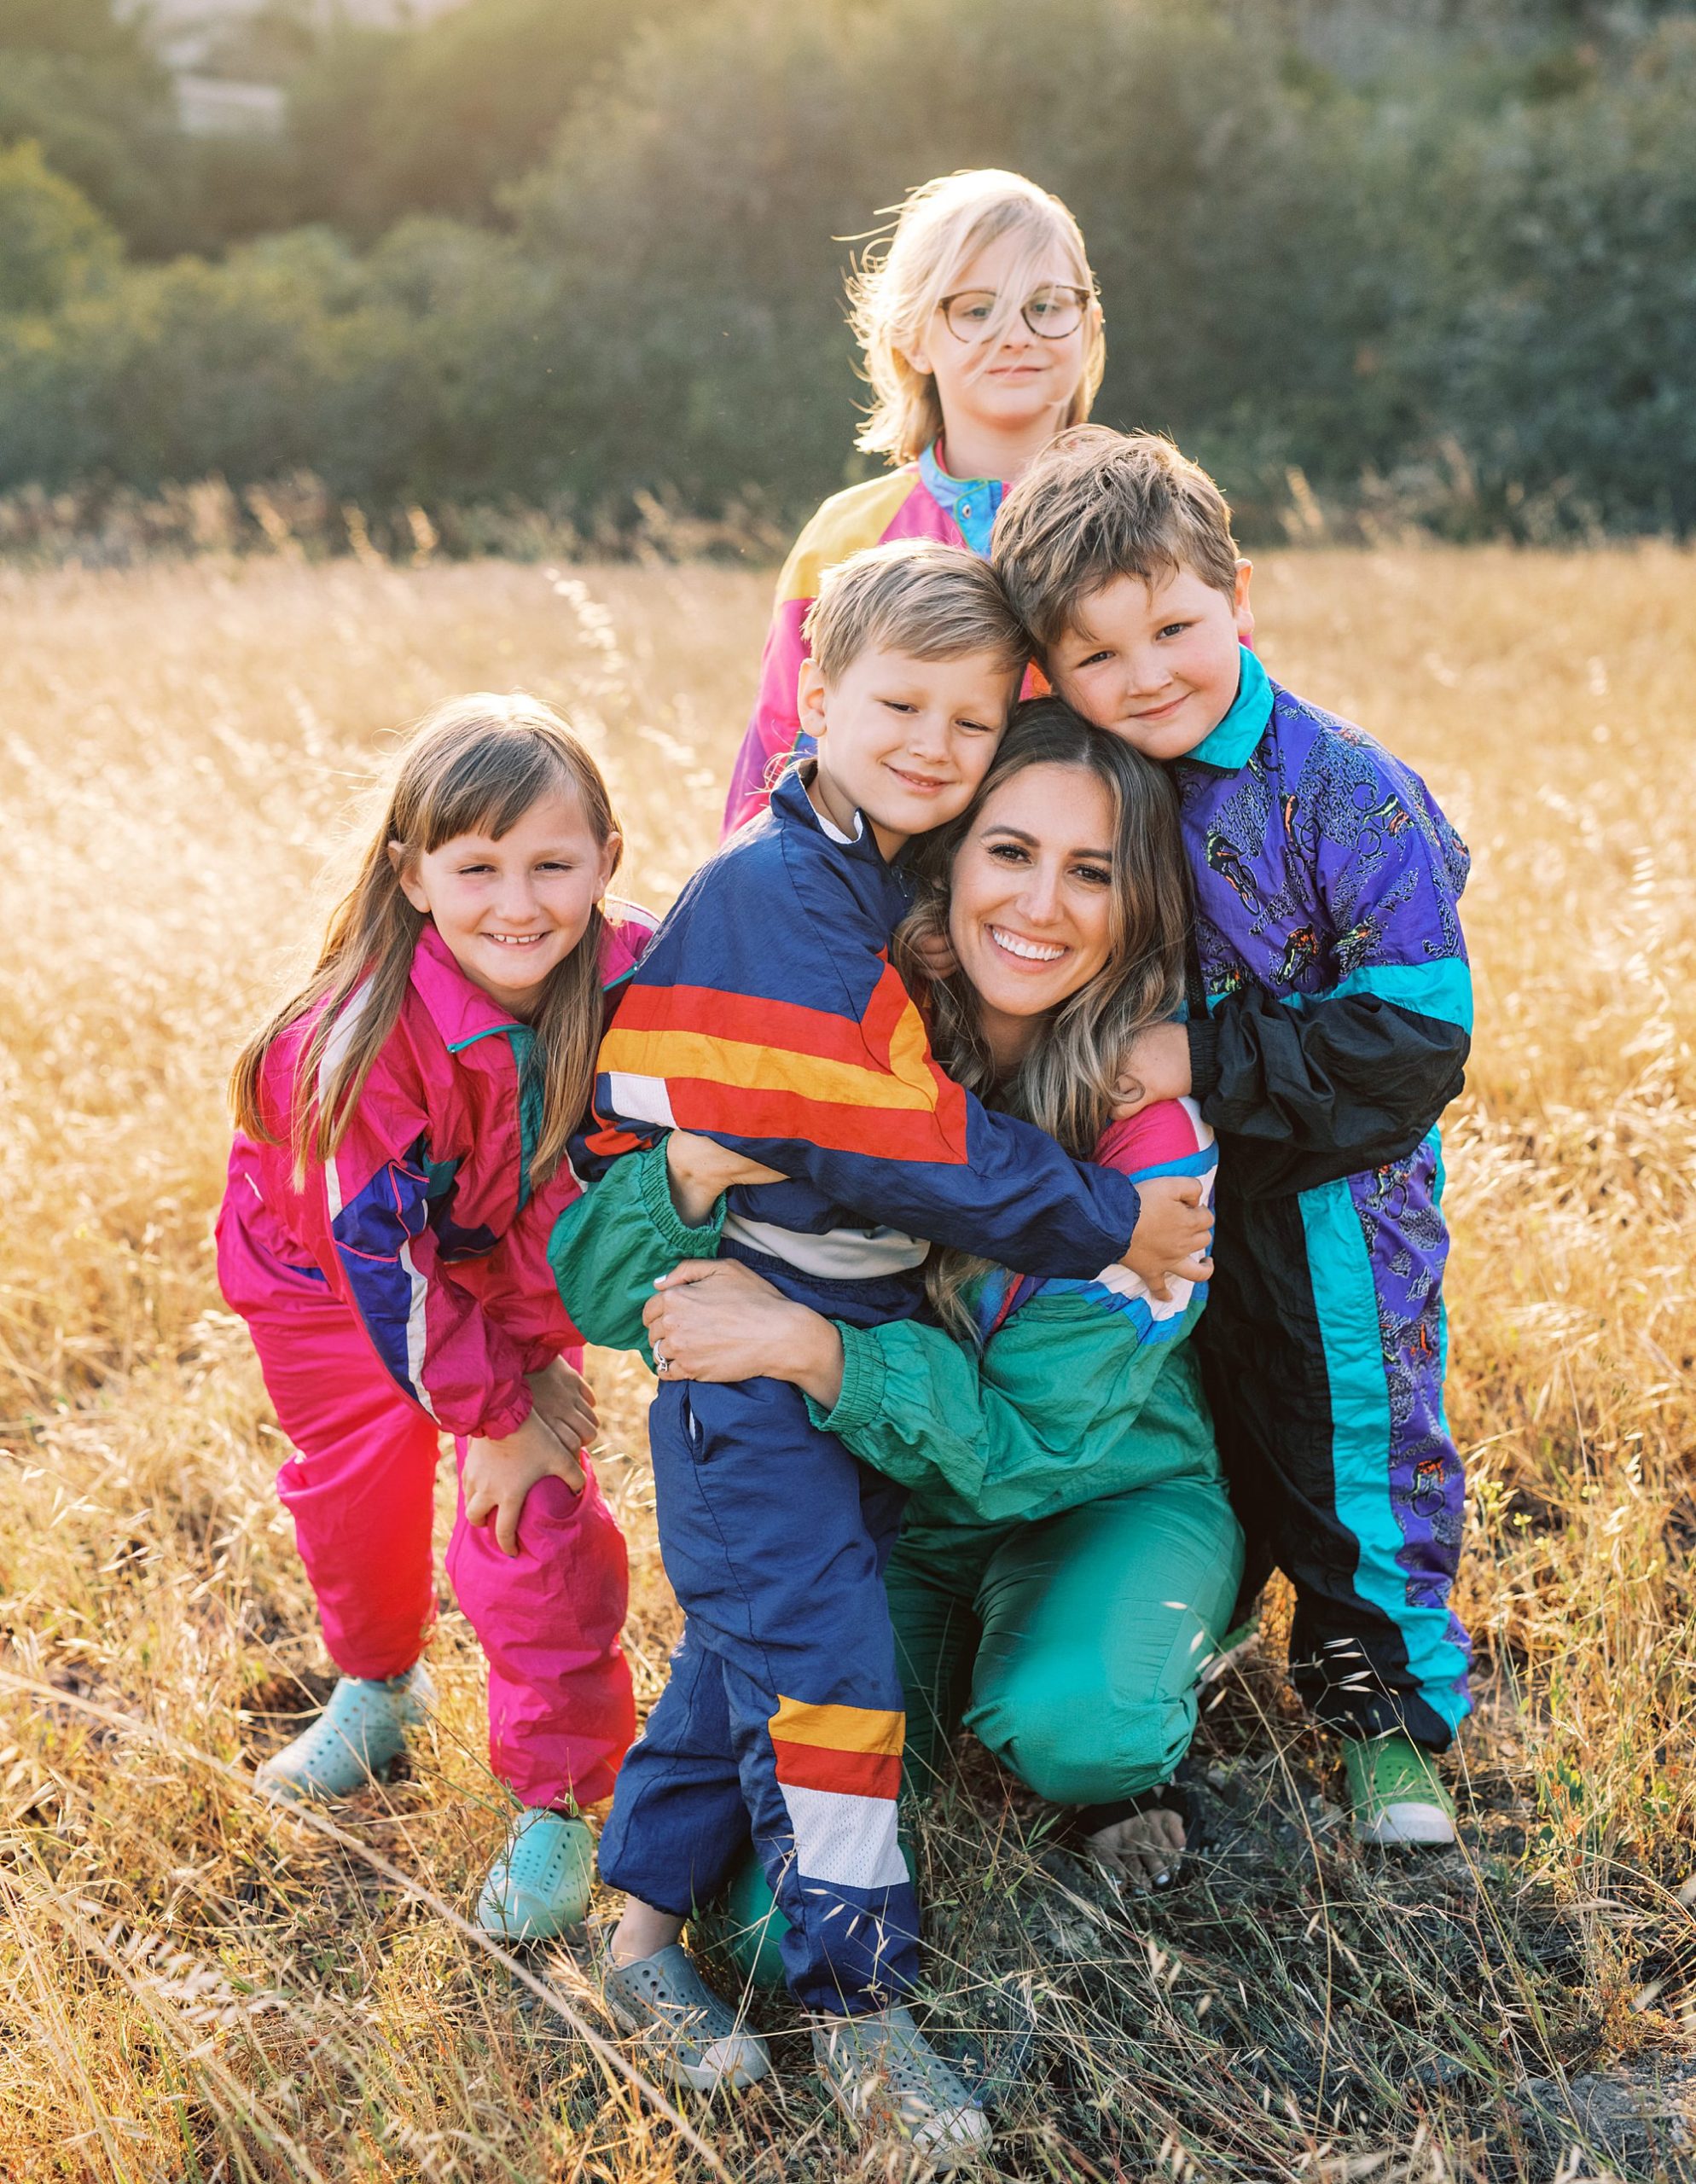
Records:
x=1071, y=1647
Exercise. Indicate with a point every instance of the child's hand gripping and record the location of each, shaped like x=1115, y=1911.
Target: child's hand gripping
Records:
x=1174, y=1234
x=566, y=1401
x=936, y=952
x=498, y=1475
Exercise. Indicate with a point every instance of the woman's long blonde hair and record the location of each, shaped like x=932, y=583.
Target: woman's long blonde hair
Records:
x=474, y=766
x=899, y=281
x=1068, y=1082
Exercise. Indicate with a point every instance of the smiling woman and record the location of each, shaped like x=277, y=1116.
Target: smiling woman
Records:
x=1061, y=898
x=1068, y=1558
x=1031, y=912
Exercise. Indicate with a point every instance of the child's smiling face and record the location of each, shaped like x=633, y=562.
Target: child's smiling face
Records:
x=1022, y=378
x=905, y=742
x=512, y=908
x=1155, y=663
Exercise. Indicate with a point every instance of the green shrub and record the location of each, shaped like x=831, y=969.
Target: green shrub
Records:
x=53, y=244
x=1464, y=272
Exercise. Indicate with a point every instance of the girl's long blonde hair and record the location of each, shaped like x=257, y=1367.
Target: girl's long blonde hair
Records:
x=474, y=766
x=1068, y=1082
x=899, y=281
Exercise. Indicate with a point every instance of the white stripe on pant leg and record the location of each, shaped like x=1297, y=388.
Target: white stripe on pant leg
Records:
x=847, y=1839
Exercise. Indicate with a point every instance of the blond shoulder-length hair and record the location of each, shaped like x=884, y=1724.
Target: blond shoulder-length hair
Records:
x=901, y=277
x=474, y=766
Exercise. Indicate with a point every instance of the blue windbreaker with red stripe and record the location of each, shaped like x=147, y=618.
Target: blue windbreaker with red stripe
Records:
x=767, y=1015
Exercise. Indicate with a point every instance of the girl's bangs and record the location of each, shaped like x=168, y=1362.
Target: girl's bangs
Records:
x=488, y=788
x=1044, y=230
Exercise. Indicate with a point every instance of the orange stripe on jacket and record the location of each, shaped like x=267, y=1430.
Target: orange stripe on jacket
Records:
x=838, y=1728
x=772, y=1069
x=884, y=1033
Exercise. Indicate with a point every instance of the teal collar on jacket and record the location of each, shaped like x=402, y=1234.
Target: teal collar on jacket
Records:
x=973, y=502
x=1231, y=745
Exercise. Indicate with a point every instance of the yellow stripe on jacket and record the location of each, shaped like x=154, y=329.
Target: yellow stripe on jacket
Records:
x=847, y=521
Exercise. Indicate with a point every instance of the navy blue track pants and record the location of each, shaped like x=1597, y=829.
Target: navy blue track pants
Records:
x=783, y=1717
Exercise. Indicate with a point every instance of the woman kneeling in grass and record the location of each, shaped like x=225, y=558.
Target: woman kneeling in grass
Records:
x=1069, y=1558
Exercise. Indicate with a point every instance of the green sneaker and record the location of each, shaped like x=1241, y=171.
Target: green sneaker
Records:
x=1395, y=1792
x=751, y=1926
x=748, y=1924
x=538, y=1886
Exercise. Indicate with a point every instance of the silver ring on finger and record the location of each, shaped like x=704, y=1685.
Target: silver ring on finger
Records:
x=659, y=1361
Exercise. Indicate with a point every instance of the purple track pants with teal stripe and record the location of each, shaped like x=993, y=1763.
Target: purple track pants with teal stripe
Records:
x=1323, y=1351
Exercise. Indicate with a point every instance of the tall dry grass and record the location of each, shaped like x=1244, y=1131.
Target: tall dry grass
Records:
x=192, y=1987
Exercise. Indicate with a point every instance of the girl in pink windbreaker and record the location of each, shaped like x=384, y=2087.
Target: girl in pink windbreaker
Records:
x=400, y=1159
x=982, y=339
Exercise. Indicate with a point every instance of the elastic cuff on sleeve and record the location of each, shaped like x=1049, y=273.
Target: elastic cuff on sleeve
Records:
x=506, y=1419
x=863, y=1375
x=1203, y=1056
x=657, y=1204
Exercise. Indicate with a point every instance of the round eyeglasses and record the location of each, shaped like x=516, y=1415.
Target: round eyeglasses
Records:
x=1052, y=311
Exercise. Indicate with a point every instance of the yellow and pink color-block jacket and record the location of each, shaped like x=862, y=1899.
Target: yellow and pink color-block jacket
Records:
x=918, y=501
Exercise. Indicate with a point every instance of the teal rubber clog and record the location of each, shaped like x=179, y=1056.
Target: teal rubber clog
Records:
x=691, y=2035
x=889, y=2082
x=538, y=1886
x=361, y=1730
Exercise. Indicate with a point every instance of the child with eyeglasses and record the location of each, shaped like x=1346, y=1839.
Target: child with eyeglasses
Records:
x=982, y=339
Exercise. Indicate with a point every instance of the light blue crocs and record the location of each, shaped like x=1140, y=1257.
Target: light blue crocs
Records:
x=689, y=2035
x=539, y=1884
x=361, y=1729
x=890, y=2083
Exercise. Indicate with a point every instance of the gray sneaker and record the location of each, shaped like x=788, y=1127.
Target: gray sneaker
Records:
x=693, y=2035
x=889, y=2082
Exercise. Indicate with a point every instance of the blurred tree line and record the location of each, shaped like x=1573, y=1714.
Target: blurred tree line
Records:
x=1425, y=259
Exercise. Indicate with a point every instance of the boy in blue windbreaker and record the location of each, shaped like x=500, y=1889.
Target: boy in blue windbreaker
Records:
x=766, y=1015
x=1330, y=1019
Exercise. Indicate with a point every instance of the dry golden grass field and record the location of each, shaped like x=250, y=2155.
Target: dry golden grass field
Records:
x=193, y=1987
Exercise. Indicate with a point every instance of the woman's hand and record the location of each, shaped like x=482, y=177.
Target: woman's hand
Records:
x=717, y=1320
x=700, y=1171
x=566, y=1402
x=1173, y=1235
x=499, y=1474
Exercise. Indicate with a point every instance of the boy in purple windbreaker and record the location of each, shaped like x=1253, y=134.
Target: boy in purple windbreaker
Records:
x=1330, y=1017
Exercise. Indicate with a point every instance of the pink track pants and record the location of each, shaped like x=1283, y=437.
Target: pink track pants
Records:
x=360, y=1488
